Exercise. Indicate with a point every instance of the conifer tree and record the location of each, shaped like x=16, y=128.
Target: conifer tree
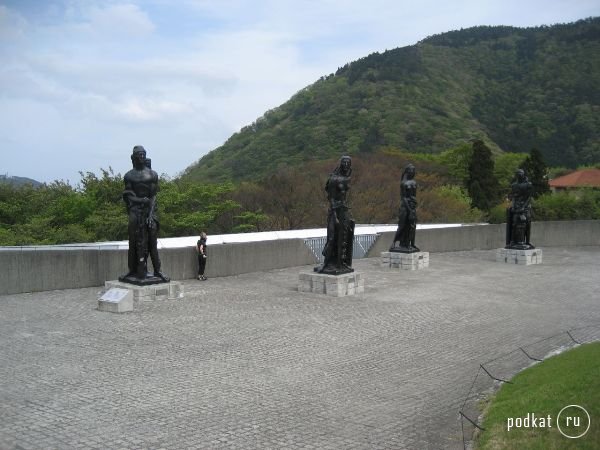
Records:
x=536, y=170
x=481, y=182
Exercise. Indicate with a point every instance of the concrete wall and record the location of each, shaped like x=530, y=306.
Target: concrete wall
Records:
x=26, y=270
x=566, y=233
x=448, y=239
x=43, y=270
x=485, y=237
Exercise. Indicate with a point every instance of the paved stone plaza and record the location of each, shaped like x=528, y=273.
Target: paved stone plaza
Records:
x=249, y=362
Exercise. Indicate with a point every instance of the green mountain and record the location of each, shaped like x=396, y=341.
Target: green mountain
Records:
x=19, y=181
x=514, y=88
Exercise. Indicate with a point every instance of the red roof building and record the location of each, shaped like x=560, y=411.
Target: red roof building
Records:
x=578, y=179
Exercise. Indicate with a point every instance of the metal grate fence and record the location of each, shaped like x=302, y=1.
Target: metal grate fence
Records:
x=361, y=246
x=493, y=373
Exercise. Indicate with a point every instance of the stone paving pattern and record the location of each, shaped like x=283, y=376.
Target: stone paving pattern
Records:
x=249, y=362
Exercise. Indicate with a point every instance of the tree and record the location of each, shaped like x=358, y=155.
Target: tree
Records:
x=505, y=166
x=187, y=208
x=536, y=170
x=290, y=197
x=457, y=160
x=482, y=184
x=446, y=204
x=249, y=221
x=106, y=216
x=57, y=213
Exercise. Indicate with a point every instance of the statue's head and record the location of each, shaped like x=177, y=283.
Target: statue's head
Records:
x=138, y=157
x=345, y=164
x=409, y=172
x=520, y=174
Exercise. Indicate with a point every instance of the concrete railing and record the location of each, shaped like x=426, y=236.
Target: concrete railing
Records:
x=24, y=269
x=486, y=237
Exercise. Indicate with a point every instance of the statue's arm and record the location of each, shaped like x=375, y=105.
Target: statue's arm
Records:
x=527, y=195
x=404, y=196
x=154, y=185
x=129, y=194
x=329, y=186
x=153, y=192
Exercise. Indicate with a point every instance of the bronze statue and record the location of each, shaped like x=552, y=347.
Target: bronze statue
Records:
x=340, y=225
x=518, y=214
x=404, y=240
x=141, y=186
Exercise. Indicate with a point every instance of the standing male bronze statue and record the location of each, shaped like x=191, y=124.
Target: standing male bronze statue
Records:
x=141, y=186
x=340, y=225
x=404, y=240
x=518, y=214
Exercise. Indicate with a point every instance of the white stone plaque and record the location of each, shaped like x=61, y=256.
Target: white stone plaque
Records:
x=114, y=295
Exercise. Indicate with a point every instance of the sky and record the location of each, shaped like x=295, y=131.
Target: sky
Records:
x=84, y=81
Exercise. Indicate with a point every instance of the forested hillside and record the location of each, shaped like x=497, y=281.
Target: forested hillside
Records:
x=18, y=181
x=453, y=187
x=467, y=108
x=514, y=88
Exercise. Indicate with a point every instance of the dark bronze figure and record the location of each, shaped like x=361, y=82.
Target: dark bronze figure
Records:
x=141, y=186
x=404, y=240
x=340, y=225
x=518, y=214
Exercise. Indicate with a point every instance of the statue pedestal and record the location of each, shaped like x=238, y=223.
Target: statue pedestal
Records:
x=405, y=261
x=333, y=285
x=523, y=257
x=171, y=290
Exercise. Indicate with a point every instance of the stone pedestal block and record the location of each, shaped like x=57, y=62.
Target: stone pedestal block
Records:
x=332, y=285
x=163, y=291
x=116, y=300
x=405, y=261
x=524, y=257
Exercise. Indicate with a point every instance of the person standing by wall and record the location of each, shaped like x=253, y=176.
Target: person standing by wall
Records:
x=202, y=255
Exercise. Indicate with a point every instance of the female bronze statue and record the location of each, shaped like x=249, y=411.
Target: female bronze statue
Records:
x=340, y=225
x=404, y=240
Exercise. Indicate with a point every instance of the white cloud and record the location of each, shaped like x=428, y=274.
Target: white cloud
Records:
x=116, y=21
x=151, y=109
x=127, y=18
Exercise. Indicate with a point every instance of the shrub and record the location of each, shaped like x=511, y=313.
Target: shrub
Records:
x=576, y=205
x=498, y=213
x=447, y=204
